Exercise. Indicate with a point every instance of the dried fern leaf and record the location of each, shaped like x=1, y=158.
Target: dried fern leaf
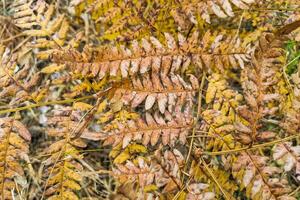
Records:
x=197, y=192
x=152, y=55
x=220, y=117
x=264, y=88
x=38, y=19
x=151, y=129
x=63, y=174
x=63, y=170
x=160, y=174
x=16, y=81
x=136, y=19
x=13, y=147
x=170, y=92
x=204, y=9
x=120, y=20
x=288, y=156
x=200, y=175
x=260, y=178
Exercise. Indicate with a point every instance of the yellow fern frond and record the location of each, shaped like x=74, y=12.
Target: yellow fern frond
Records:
x=14, y=144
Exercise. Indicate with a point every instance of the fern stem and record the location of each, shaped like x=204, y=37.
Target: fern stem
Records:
x=197, y=119
x=273, y=9
x=45, y=104
x=184, y=188
x=294, y=192
x=215, y=179
x=216, y=153
x=286, y=76
x=12, y=38
x=62, y=176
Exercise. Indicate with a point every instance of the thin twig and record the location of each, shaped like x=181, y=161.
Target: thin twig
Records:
x=286, y=76
x=12, y=38
x=196, y=121
x=215, y=179
x=45, y=104
x=294, y=192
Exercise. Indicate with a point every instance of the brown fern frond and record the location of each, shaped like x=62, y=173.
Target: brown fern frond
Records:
x=140, y=99
x=160, y=172
x=261, y=83
x=260, y=179
x=204, y=9
x=13, y=146
x=152, y=55
x=288, y=156
x=170, y=92
x=150, y=129
x=16, y=81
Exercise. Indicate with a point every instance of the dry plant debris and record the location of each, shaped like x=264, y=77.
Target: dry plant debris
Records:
x=155, y=100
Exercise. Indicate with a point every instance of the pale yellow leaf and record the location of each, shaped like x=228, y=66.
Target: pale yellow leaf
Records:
x=52, y=68
x=82, y=106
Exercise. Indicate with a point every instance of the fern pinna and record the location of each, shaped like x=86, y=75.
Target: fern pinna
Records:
x=149, y=100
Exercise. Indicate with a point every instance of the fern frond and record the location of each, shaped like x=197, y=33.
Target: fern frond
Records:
x=170, y=92
x=220, y=115
x=121, y=20
x=41, y=20
x=204, y=9
x=63, y=170
x=261, y=84
x=197, y=191
x=152, y=55
x=23, y=14
x=260, y=178
x=14, y=144
x=136, y=19
x=199, y=174
x=150, y=129
x=160, y=173
x=288, y=156
x=16, y=81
